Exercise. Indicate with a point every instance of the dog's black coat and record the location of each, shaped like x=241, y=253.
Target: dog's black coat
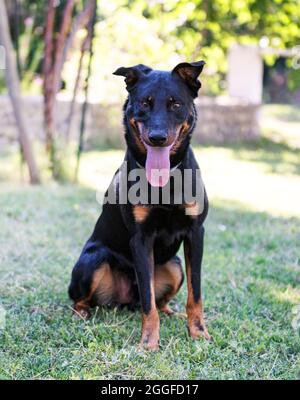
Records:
x=159, y=101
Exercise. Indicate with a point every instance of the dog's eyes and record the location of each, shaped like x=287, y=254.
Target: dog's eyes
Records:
x=174, y=105
x=146, y=103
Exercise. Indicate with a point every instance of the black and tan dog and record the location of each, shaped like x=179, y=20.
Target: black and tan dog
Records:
x=130, y=259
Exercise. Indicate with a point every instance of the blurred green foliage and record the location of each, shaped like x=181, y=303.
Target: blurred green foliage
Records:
x=293, y=80
x=206, y=29
x=161, y=33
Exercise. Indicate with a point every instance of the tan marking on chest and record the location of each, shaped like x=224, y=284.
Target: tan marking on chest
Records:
x=193, y=209
x=140, y=213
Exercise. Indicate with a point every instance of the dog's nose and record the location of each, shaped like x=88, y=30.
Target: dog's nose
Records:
x=158, y=138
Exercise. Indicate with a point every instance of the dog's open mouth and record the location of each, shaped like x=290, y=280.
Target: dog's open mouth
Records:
x=157, y=160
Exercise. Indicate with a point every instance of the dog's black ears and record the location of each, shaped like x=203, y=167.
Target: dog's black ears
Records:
x=189, y=72
x=132, y=74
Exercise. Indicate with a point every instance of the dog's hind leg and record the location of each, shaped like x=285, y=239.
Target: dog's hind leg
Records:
x=91, y=271
x=168, y=280
x=96, y=282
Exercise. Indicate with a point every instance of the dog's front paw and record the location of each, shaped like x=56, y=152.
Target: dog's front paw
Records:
x=198, y=329
x=150, y=332
x=196, y=324
x=150, y=343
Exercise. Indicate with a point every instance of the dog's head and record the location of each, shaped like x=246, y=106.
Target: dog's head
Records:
x=159, y=112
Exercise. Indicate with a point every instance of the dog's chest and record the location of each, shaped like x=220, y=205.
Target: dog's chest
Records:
x=167, y=222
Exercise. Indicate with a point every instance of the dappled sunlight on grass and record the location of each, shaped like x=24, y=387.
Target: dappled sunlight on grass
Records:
x=97, y=168
x=259, y=179
x=282, y=122
x=227, y=176
x=263, y=175
x=289, y=294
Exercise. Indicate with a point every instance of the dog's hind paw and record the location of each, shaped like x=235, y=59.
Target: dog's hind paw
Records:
x=82, y=312
x=166, y=309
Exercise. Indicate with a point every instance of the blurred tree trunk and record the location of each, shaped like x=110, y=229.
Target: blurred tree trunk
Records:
x=80, y=21
x=54, y=58
x=48, y=74
x=52, y=68
x=60, y=44
x=89, y=43
x=83, y=20
x=13, y=85
x=84, y=48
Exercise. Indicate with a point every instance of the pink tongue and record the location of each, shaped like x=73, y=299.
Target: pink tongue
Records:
x=158, y=165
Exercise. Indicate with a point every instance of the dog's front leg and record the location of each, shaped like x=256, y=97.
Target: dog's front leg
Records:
x=193, y=251
x=142, y=252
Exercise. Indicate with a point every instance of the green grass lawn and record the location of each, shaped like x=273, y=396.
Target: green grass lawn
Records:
x=251, y=276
